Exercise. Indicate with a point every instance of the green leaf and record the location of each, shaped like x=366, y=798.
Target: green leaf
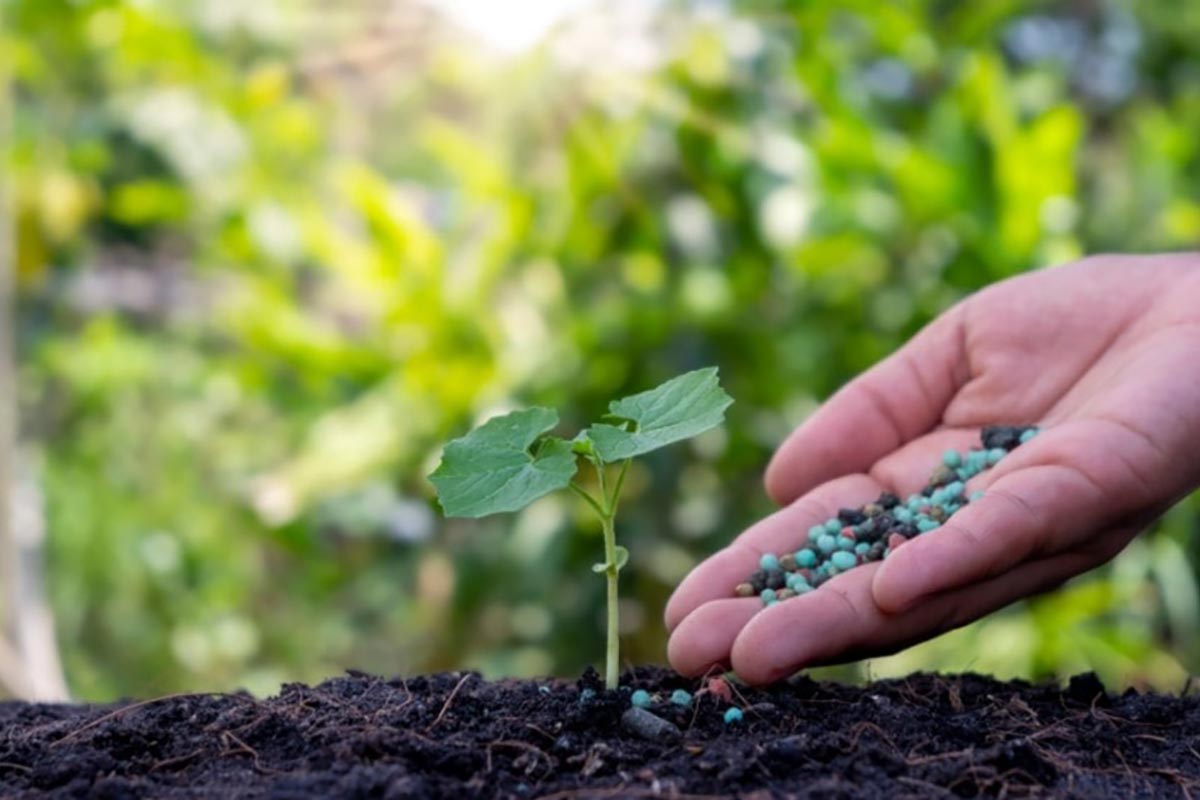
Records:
x=622, y=560
x=678, y=409
x=581, y=444
x=494, y=469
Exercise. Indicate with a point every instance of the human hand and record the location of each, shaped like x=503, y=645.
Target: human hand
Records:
x=1103, y=354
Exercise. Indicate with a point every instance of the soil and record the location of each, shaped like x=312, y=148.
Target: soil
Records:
x=455, y=735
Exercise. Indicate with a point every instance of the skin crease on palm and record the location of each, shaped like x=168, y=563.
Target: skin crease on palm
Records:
x=1103, y=354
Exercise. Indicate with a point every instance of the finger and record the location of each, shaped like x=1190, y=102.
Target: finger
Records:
x=703, y=639
x=907, y=470
x=1048, y=495
x=894, y=402
x=841, y=622
x=785, y=530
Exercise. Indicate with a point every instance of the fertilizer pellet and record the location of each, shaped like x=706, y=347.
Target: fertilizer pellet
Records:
x=873, y=531
x=843, y=560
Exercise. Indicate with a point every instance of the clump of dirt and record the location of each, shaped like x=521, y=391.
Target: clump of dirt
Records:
x=455, y=735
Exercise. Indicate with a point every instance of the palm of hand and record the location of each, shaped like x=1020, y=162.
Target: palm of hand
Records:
x=1103, y=354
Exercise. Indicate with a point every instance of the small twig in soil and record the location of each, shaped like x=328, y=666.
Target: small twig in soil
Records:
x=969, y=774
x=1178, y=778
x=1114, y=720
x=928, y=759
x=863, y=727
x=551, y=737
x=1128, y=772
x=245, y=725
x=1093, y=712
x=740, y=696
x=1020, y=705
x=178, y=760
x=916, y=748
x=623, y=791
x=449, y=700
x=11, y=765
x=133, y=707
x=953, y=696
x=527, y=747
x=703, y=690
x=695, y=713
x=242, y=747
x=1002, y=778
x=968, y=753
x=408, y=698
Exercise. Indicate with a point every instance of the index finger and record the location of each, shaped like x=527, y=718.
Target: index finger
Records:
x=894, y=402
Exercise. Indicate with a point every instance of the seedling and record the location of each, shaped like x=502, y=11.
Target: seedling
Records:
x=511, y=460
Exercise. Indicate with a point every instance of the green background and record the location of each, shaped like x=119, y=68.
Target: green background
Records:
x=271, y=255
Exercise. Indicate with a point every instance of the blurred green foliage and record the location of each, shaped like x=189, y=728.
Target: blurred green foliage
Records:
x=272, y=254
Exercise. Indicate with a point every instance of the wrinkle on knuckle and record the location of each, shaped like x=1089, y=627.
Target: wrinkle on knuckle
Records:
x=1063, y=457
x=1019, y=503
x=968, y=534
x=882, y=409
x=918, y=378
x=1094, y=483
x=1146, y=489
x=1035, y=541
x=881, y=473
x=854, y=614
x=962, y=369
x=1133, y=430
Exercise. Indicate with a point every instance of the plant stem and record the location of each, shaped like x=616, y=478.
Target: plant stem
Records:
x=591, y=501
x=606, y=509
x=600, y=478
x=616, y=493
x=612, y=650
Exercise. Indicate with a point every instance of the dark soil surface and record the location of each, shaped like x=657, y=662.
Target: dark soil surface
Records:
x=454, y=735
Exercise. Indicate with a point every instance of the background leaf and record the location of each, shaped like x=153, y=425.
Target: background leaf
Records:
x=678, y=409
x=491, y=470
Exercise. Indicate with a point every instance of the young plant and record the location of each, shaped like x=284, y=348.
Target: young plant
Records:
x=511, y=460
